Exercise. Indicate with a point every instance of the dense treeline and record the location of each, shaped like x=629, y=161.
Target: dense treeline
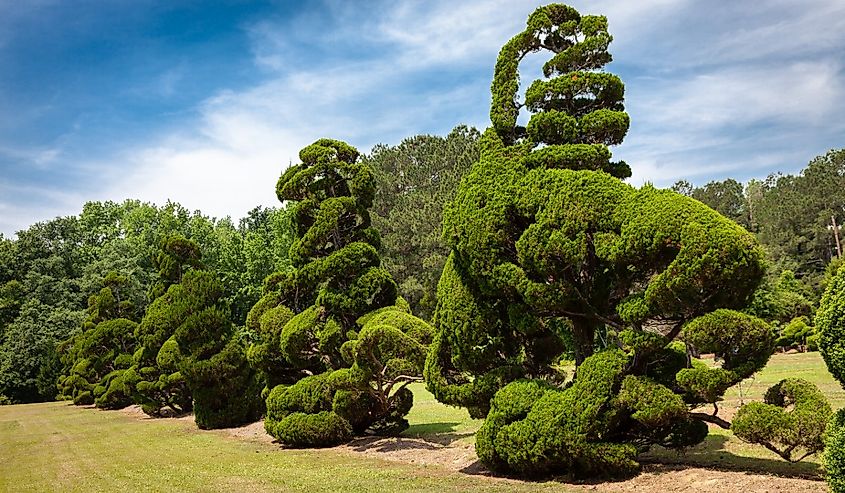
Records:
x=50, y=272
x=415, y=180
x=793, y=215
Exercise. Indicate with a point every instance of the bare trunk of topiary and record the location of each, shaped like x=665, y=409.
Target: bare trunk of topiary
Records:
x=583, y=335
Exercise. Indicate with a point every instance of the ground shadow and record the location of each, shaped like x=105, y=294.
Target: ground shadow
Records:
x=428, y=436
x=711, y=454
x=443, y=433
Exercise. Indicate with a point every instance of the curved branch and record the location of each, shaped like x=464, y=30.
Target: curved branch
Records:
x=709, y=418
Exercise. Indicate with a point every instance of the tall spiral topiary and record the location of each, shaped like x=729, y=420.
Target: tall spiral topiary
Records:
x=552, y=256
x=335, y=349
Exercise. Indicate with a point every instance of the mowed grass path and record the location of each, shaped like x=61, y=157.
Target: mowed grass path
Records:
x=60, y=447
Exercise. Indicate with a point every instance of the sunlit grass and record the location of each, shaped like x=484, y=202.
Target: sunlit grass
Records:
x=59, y=447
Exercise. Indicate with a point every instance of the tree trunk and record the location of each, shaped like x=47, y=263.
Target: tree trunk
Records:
x=583, y=336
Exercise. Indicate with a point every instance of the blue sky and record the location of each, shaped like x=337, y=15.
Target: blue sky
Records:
x=205, y=103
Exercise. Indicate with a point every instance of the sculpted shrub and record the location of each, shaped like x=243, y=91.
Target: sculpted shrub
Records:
x=786, y=432
x=191, y=358
x=830, y=326
x=335, y=344
x=554, y=257
x=92, y=357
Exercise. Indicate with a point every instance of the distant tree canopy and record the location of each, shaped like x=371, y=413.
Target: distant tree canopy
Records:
x=791, y=214
x=50, y=270
x=552, y=255
x=414, y=179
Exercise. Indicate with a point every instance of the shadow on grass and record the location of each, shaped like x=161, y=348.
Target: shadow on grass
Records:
x=436, y=433
x=711, y=454
x=428, y=436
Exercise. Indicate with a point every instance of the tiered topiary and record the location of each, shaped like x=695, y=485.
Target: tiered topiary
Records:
x=200, y=361
x=95, y=356
x=830, y=326
x=335, y=346
x=552, y=255
x=798, y=334
x=155, y=379
x=225, y=389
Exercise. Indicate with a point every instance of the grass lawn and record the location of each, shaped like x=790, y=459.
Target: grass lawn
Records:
x=60, y=447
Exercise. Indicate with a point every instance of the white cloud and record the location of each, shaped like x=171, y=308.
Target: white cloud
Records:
x=737, y=90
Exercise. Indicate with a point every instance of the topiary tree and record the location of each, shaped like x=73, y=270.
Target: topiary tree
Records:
x=102, y=349
x=830, y=326
x=552, y=255
x=226, y=391
x=798, y=333
x=155, y=380
x=176, y=255
x=336, y=349
x=192, y=357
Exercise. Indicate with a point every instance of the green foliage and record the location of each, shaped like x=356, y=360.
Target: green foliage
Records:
x=414, y=179
x=742, y=342
x=60, y=264
x=552, y=256
x=782, y=299
x=794, y=214
x=198, y=360
x=534, y=428
x=798, y=333
x=786, y=432
x=226, y=390
x=728, y=197
x=334, y=314
x=834, y=452
x=830, y=324
x=104, y=345
x=115, y=390
x=27, y=348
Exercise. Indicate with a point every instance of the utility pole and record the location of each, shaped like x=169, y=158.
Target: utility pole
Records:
x=836, y=235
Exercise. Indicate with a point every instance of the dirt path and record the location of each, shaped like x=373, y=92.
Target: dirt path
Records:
x=460, y=456
x=655, y=477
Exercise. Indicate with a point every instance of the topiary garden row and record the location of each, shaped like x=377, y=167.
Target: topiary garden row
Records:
x=553, y=258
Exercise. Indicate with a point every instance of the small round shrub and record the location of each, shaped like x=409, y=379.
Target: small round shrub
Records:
x=324, y=429
x=769, y=422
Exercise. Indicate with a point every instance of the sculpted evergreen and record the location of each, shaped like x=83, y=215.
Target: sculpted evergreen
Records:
x=225, y=389
x=830, y=324
x=336, y=345
x=155, y=379
x=191, y=357
x=95, y=356
x=553, y=256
